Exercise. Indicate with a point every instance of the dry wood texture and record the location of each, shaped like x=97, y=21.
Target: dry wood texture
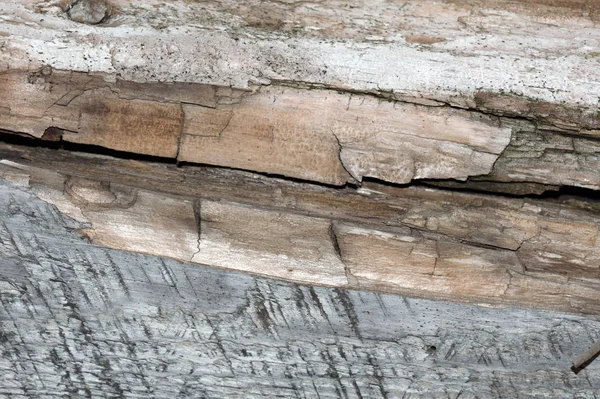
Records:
x=359, y=107
x=327, y=92
x=419, y=241
x=317, y=135
x=84, y=321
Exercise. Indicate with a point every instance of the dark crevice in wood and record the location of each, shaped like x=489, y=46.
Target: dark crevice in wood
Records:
x=562, y=193
x=334, y=240
x=198, y=217
x=52, y=140
x=272, y=175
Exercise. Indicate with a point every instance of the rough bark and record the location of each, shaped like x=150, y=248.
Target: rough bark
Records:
x=81, y=320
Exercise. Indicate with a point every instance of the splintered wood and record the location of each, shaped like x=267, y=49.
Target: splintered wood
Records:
x=330, y=137
x=326, y=153
x=315, y=135
x=417, y=241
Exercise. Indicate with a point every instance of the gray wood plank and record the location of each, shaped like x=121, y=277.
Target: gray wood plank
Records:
x=77, y=320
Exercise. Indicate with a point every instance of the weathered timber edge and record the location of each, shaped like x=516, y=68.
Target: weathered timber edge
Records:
x=417, y=241
x=438, y=91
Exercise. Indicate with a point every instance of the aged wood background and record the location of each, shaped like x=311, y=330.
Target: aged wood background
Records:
x=328, y=91
x=78, y=320
x=472, y=95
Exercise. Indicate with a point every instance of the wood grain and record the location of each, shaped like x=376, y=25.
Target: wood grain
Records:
x=87, y=321
x=316, y=135
x=417, y=241
x=324, y=136
x=491, y=92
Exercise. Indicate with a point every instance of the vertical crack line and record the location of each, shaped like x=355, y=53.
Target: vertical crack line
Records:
x=513, y=133
x=333, y=237
x=437, y=257
x=181, y=132
x=227, y=125
x=334, y=240
x=197, y=205
x=356, y=179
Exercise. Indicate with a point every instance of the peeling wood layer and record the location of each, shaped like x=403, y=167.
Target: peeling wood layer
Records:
x=435, y=50
x=120, y=276
x=315, y=135
x=417, y=241
x=410, y=90
x=333, y=137
x=550, y=157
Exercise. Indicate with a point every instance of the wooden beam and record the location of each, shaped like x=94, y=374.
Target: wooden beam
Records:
x=409, y=91
x=415, y=241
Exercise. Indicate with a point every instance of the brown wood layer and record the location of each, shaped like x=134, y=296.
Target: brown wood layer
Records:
x=418, y=241
x=310, y=133
x=90, y=321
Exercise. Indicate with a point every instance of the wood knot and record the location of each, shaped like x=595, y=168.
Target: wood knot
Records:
x=90, y=12
x=97, y=195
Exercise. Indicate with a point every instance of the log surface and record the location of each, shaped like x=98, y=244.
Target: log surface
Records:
x=417, y=241
x=106, y=288
x=80, y=320
x=499, y=91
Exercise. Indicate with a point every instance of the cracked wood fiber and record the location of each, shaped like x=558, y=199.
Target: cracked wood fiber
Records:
x=340, y=271
x=408, y=91
x=81, y=320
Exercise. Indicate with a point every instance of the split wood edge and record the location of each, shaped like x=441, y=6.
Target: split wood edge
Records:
x=423, y=255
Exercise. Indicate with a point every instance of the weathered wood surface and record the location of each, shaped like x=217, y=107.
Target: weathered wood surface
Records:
x=494, y=90
x=317, y=135
x=78, y=320
x=436, y=50
x=414, y=241
x=500, y=95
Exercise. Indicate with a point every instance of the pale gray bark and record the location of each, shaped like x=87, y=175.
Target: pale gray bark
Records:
x=78, y=320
